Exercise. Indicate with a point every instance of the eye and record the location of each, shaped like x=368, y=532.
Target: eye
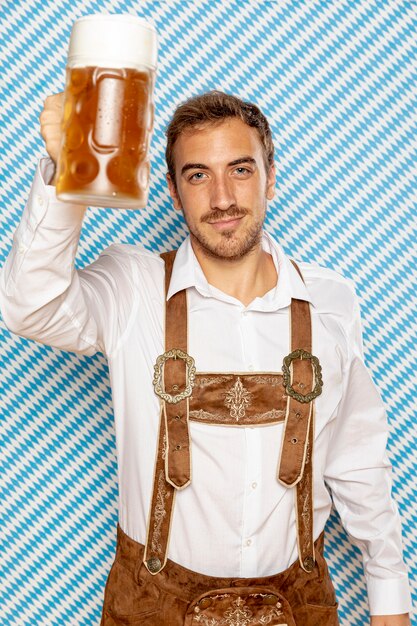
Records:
x=242, y=170
x=196, y=176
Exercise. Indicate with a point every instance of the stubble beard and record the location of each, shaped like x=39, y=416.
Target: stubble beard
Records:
x=230, y=247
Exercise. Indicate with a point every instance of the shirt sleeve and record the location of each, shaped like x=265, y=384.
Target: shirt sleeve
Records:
x=359, y=475
x=43, y=297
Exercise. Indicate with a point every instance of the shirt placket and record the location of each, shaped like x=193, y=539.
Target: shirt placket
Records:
x=252, y=476
x=252, y=504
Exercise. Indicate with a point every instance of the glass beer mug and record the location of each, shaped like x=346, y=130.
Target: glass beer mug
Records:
x=108, y=112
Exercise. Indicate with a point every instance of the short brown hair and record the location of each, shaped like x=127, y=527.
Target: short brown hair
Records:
x=213, y=107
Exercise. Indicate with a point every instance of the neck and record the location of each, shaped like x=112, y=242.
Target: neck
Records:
x=246, y=278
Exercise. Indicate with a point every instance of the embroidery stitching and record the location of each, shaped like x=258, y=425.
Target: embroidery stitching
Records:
x=206, y=621
x=239, y=613
x=160, y=513
x=266, y=619
x=305, y=513
x=202, y=415
x=274, y=381
x=273, y=414
x=211, y=380
x=306, y=517
x=237, y=399
x=164, y=446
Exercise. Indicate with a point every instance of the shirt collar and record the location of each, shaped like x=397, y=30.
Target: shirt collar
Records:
x=187, y=272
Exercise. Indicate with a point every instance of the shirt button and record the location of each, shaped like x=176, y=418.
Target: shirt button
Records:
x=248, y=542
x=244, y=313
x=254, y=485
x=22, y=248
x=39, y=200
x=250, y=367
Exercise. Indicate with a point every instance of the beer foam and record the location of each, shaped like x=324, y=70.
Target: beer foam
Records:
x=113, y=40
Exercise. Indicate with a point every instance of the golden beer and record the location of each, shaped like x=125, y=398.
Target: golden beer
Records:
x=107, y=127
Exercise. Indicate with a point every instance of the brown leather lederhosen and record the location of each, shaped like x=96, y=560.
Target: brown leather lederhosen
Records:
x=144, y=586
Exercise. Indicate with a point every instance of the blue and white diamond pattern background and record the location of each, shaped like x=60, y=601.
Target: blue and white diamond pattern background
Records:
x=337, y=81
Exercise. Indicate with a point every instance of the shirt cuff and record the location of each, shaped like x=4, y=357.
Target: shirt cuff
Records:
x=45, y=207
x=389, y=596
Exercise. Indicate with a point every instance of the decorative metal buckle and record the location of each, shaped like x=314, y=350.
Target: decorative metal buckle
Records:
x=157, y=379
x=302, y=354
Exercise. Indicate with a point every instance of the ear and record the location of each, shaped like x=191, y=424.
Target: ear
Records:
x=173, y=193
x=270, y=183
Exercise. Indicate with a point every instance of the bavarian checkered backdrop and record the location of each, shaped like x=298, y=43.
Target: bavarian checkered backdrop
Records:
x=338, y=82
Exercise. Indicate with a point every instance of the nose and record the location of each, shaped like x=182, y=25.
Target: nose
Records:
x=222, y=194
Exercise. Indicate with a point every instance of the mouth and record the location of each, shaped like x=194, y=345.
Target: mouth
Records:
x=226, y=224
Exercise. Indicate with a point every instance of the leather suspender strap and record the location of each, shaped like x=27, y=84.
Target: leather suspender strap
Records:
x=173, y=458
x=161, y=509
x=178, y=451
x=298, y=415
x=295, y=465
x=304, y=507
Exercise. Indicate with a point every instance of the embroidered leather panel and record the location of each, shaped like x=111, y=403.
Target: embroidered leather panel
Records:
x=238, y=399
x=242, y=606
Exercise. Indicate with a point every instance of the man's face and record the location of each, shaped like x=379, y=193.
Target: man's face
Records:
x=222, y=187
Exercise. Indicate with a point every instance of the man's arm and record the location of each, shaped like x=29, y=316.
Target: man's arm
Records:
x=42, y=296
x=358, y=473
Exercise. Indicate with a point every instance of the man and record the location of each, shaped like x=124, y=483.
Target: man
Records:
x=241, y=542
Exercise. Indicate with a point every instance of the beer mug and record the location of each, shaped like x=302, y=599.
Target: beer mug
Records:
x=108, y=112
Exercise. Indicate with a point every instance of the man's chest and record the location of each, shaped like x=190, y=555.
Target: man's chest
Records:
x=224, y=337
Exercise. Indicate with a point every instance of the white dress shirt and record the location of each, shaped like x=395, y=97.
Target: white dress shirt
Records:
x=235, y=519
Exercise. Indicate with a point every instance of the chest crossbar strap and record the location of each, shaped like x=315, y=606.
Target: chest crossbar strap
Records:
x=175, y=376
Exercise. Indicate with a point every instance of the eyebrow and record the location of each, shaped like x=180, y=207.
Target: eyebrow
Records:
x=201, y=166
